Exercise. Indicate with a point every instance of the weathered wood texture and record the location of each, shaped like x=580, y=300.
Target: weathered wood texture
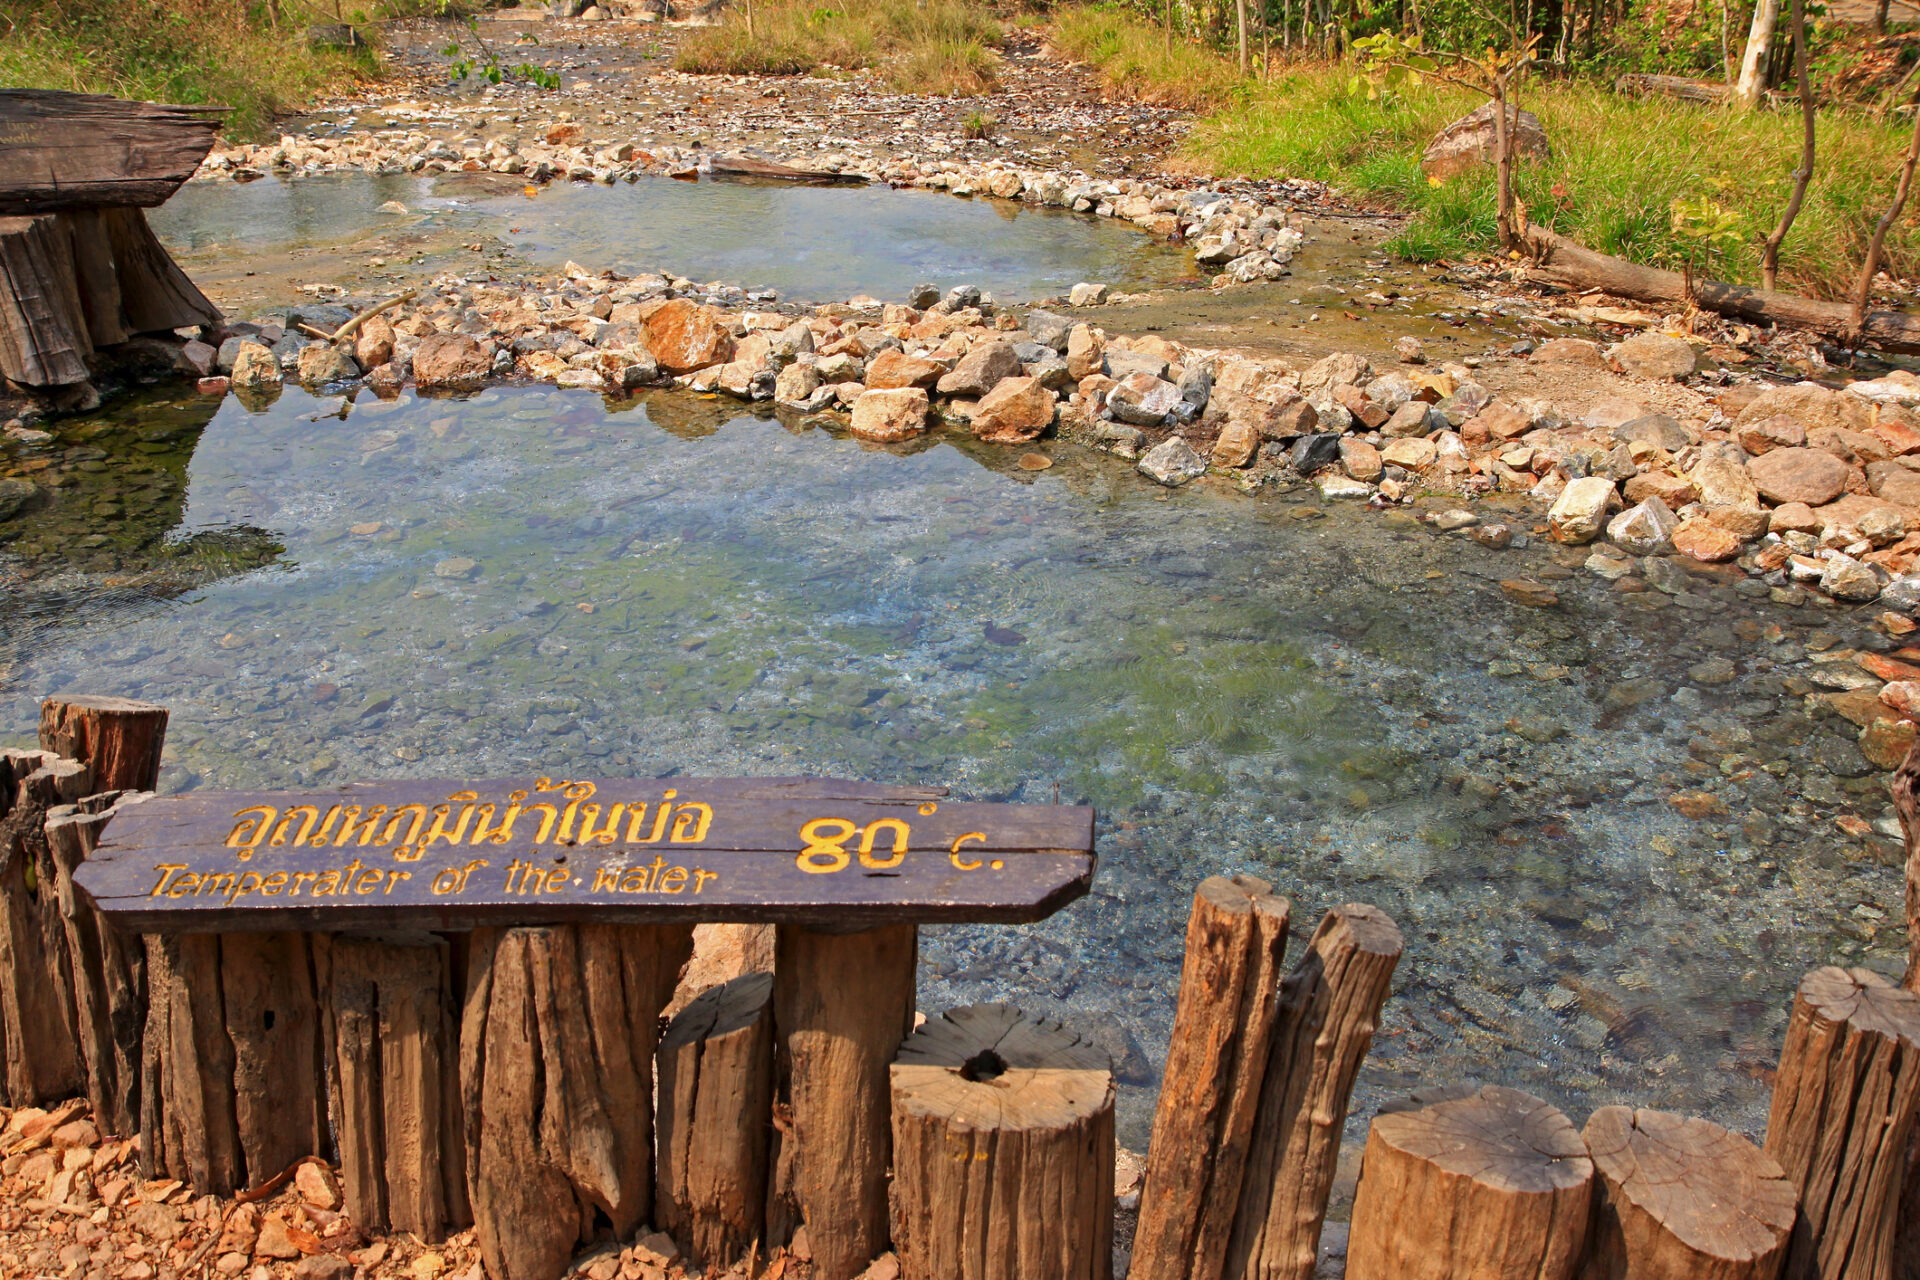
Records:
x=1216, y=1061
x=74, y=282
x=458, y=855
x=841, y=1005
x=1906, y=803
x=1844, y=1105
x=120, y=739
x=38, y=1021
x=1329, y=1007
x=556, y=1078
x=1490, y=1183
x=391, y=1021
x=233, y=1078
x=1002, y=1150
x=61, y=151
x=715, y=1066
x=1683, y=1199
x=109, y=973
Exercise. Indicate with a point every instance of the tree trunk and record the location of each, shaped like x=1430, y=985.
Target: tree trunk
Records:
x=1770, y=255
x=1240, y=23
x=1003, y=1150
x=1329, y=1006
x=1490, y=1182
x=1844, y=1105
x=1210, y=1091
x=392, y=1044
x=1753, y=63
x=556, y=1056
x=842, y=1002
x=715, y=1067
x=1682, y=1199
x=120, y=739
x=38, y=1019
x=1560, y=261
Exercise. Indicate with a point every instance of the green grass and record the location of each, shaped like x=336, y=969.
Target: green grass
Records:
x=1133, y=60
x=1619, y=163
x=941, y=47
x=194, y=51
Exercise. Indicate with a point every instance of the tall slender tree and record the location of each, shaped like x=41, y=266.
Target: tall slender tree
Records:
x=1770, y=256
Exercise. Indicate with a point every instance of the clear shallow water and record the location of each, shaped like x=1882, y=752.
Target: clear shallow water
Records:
x=1341, y=701
x=815, y=243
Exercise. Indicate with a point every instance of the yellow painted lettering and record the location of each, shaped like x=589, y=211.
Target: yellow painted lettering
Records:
x=674, y=880
x=165, y=869
x=301, y=880
x=690, y=822
x=395, y=877
x=183, y=884
x=274, y=883
x=700, y=878
x=870, y=834
x=249, y=834
x=608, y=832
x=825, y=839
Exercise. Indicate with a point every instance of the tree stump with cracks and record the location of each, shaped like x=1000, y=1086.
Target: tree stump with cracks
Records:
x=556, y=1075
x=39, y=1029
x=1844, y=1105
x=715, y=1066
x=1216, y=1060
x=389, y=1025
x=1683, y=1199
x=1003, y=1150
x=842, y=1002
x=1329, y=1007
x=1460, y=1181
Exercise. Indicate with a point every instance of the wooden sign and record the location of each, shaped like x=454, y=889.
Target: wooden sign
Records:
x=455, y=855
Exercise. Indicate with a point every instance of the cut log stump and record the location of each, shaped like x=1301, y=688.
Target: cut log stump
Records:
x=120, y=739
x=1490, y=1183
x=1844, y=1105
x=1683, y=1199
x=715, y=1066
x=39, y=1030
x=842, y=1002
x=109, y=973
x=390, y=1021
x=1203, y=1125
x=556, y=1076
x=1329, y=1007
x=1003, y=1150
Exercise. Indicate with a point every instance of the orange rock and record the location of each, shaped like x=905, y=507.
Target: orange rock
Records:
x=892, y=369
x=1698, y=804
x=1885, y=743
x=888, y=416
x=1015, y=411
x=1903, y=696
x=1887, y=668
x=684, y=337
x=1705, y=541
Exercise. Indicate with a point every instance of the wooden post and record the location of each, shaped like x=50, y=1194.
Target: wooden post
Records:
x=1216, y=1061
x=1003, y=1150
x=715, y=1067
x=187, y=1123
x=1679, y=1198
x=1844, y=1104
x=1329, y=1006
x=43, y=1061
x=1461, y=1181
x=842, y=1002
x=556, y=1055
x=272, y=1020
x=394, y=1099
x=109, y=973
x=120, y=739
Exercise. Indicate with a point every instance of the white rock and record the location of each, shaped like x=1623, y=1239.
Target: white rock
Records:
x=1172, y=462
x=1581, y=508
x=1645, y=530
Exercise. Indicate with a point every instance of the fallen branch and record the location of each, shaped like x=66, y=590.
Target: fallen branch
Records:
x=352, y=326
x=1560, y=261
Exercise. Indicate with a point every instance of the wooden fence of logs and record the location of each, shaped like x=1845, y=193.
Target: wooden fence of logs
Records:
x=508, y=1078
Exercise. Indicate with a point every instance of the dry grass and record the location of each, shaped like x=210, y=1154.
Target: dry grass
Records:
x=940, y=47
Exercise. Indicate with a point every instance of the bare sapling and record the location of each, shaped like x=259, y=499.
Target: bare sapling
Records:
x=1770, y=256
x=1876, y=248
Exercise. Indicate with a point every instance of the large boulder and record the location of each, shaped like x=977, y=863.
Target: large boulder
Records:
x=255, y=368
x=896, y=414
x=1893, y=482
x=450, y=362
x=891, y=369
x=1143, y=400
x=1015, y=411
x=1812, y=476
x=1809, y=404
x=684, y=336
x=981, y=370
x=1581, y=509
x=1654, y=355
x=1468, y=141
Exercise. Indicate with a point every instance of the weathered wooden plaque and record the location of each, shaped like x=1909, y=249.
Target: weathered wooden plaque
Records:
x=454, y=855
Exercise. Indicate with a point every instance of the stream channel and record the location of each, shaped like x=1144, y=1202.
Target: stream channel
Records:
x=1345, y=701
